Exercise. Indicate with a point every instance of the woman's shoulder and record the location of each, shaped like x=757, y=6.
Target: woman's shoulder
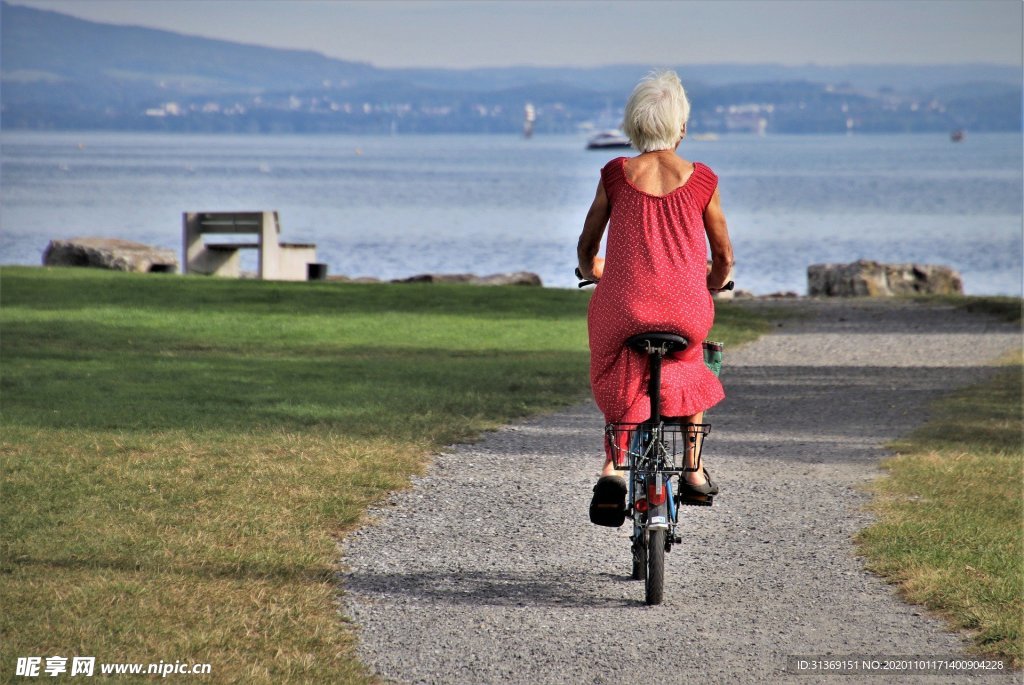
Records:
x=704, y=181
x=614, y=165
x=703, y=169
x=612, y=172
x=704, y=175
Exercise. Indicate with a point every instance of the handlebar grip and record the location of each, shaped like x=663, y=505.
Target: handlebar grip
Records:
x=583, y=282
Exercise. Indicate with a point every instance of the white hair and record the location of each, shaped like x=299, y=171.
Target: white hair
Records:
x=656, y=112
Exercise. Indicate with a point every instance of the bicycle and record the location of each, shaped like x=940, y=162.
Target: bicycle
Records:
x=653, y=452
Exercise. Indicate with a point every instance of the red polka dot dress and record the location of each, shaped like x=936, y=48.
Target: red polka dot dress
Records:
x=655, y=279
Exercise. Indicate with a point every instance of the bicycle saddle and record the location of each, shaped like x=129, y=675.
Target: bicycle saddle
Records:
x=645, y=341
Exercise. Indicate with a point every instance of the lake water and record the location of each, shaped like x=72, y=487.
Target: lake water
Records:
x=396, y=206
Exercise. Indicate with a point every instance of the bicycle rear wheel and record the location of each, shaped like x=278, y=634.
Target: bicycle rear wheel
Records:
x=654, y=586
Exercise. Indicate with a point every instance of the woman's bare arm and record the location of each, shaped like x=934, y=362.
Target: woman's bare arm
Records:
x=593, y=231
x=721, y=245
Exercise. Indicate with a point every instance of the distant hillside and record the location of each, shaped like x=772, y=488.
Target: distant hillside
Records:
x=619, y=78
x=48, y=46
x=60, y=72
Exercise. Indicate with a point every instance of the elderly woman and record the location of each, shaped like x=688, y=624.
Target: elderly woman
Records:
x=662, y=212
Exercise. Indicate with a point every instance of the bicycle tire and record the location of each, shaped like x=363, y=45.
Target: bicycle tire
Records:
x=654, y=585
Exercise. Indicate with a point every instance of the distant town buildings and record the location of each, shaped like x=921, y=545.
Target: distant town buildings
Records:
x=807, y=108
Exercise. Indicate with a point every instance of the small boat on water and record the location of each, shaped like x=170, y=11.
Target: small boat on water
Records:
x=529, y=116
x=608, y=139
x=957, y=135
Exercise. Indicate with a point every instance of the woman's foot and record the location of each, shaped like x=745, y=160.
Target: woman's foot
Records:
x=699, y=482
x=695, y=477
x=608, y=506
x=610, y=470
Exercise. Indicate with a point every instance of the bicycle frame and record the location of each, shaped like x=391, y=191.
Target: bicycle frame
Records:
x=656, y=452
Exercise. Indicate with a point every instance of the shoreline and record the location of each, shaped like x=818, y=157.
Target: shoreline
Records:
x=740, y=295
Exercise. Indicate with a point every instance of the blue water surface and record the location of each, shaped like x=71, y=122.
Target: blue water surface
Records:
x=391, y=207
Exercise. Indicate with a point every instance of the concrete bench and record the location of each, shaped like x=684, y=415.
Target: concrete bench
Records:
x=276, y=260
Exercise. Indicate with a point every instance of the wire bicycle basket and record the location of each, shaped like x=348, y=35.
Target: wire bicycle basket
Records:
x=641, y=445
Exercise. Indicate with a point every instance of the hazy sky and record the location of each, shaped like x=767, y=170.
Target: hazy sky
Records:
x=469, y=33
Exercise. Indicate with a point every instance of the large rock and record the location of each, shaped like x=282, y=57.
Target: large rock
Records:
x=340, y=278
x=110, y=253
x=436, y=278
x=873, y=279
x=514, y=278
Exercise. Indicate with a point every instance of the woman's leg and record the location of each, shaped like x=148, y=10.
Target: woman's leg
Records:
x=695, y=476
x=610, y=470
x=693, y=450
x=622, y=440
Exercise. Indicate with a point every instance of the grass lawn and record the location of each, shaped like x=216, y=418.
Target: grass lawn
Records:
x=179, y=456
x=951, y=511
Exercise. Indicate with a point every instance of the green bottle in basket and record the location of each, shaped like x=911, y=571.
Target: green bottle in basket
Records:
x=713, y=356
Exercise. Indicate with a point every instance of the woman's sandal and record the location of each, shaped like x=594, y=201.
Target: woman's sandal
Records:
x=698, y=495
x=608, y=506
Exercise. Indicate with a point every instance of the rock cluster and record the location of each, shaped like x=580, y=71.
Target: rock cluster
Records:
x=110, y=253
x=873, y=279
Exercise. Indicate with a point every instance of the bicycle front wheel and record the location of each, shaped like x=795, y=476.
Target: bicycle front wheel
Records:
x=654, y=587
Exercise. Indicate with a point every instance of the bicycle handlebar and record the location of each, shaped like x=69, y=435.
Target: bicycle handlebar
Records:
x=585, y=282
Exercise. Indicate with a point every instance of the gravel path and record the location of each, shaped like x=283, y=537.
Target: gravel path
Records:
x=520, y=588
